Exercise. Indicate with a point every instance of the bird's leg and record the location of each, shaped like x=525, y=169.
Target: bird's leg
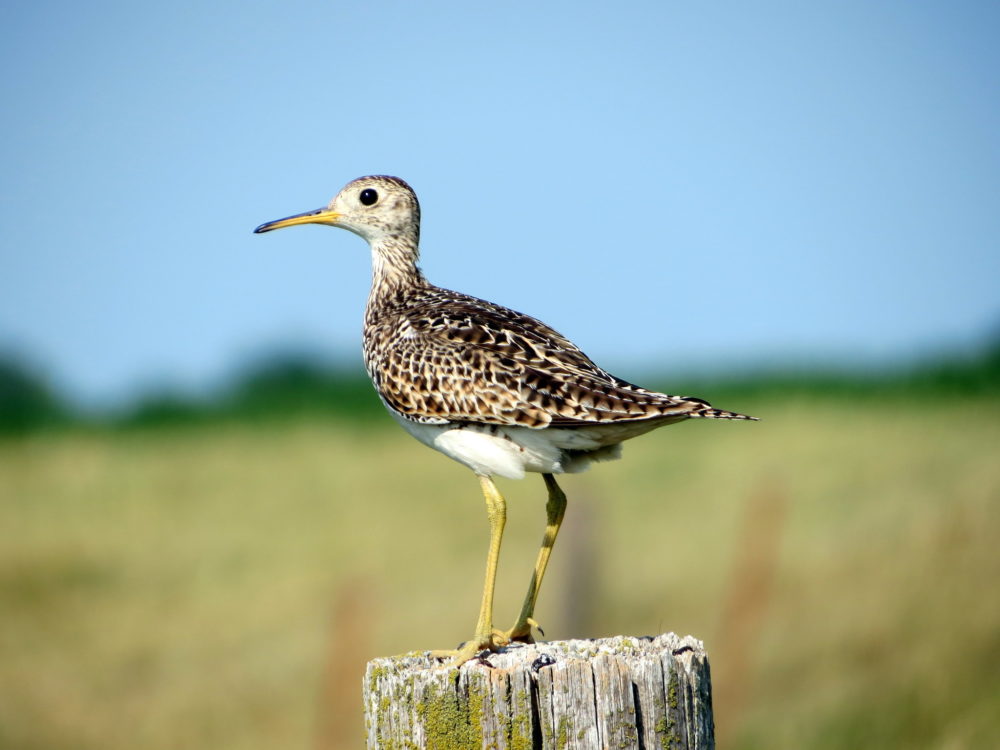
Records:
x=484, y=638
x=555, y=509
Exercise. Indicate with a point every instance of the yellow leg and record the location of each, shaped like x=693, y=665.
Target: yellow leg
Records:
x=555, y=509
x=496, y=511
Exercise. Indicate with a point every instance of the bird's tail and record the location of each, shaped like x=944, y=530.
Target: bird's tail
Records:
x=709, y=412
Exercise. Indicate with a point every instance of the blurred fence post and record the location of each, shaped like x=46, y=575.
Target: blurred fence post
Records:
x=620, y=692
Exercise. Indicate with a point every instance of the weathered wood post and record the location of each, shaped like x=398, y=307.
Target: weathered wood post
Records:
x=620, y=692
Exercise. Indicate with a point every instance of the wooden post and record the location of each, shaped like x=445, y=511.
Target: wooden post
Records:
x=620, y=692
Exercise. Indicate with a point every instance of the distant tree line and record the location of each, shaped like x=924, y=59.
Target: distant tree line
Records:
x=27, y=402
x=299, y=386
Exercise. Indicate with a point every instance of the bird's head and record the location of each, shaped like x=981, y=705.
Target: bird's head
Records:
x=377, y=208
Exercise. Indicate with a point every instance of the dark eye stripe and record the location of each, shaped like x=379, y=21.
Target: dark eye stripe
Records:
x=368, y=197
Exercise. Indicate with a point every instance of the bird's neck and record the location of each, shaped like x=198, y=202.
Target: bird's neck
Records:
x=394, y=265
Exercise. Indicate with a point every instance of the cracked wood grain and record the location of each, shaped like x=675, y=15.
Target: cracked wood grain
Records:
x=620, y=692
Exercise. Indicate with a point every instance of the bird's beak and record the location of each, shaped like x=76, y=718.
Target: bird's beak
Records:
x=319, y=216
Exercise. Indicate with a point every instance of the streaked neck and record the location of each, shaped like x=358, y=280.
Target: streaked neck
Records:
x=394, y=265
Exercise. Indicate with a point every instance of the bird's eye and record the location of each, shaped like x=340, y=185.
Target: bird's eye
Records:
x=368, y=197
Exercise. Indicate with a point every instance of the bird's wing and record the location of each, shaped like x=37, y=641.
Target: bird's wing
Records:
x=450, y=357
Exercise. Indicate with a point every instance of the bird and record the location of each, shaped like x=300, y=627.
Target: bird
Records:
x=496, y=390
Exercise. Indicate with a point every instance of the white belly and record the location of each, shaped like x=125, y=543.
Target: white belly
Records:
x=511, y=451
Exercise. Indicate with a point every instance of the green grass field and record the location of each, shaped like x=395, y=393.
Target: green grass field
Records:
x=222, y=587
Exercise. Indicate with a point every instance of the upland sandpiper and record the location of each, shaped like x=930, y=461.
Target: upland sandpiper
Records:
x=496, y=390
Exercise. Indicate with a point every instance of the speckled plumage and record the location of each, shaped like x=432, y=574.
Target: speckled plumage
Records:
x=440, y=356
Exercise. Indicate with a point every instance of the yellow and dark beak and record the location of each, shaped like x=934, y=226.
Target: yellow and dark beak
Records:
x=319, y=216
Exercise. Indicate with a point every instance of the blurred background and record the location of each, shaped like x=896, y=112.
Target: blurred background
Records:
x=207, y=523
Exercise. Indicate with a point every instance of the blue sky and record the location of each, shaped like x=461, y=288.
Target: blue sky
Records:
x=672, y=185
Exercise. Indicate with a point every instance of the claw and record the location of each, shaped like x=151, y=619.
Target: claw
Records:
x=536, y=626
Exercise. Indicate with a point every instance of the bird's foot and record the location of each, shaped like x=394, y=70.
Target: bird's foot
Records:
x=478, y=647
x=520, y=633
